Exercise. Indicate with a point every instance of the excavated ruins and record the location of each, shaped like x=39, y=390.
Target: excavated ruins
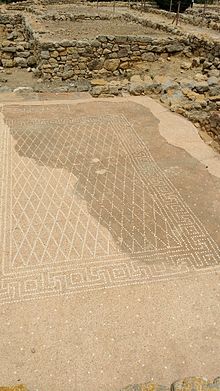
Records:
x=109, y=270
x=110, y=51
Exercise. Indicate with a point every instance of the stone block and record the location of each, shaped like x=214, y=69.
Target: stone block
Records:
x=96, y=91
x=24, y=54
x=201, y=86
x=31, y=61
x=96, y=63
x=190, y=384
x=7, y=63
x=95, y=43
x=14, y=388
x=98, y=82
x=82, y=85
x=102, y=38
x=136, y=79
x=111, y=64
x=124, y=65
x=67, y=74
x=175, y=47
x=136, y=89
x=9, y=49
x=187, y=83
x=45, y=54
x=213, y=81
x=160, y=79
x=146, y=387
x=54, y=54
x=123, y=52
x=23, y=90
x=148, y=57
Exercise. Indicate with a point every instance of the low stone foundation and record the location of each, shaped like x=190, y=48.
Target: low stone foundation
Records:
x=17, y=46
x=197, y=45
x=208, y=20
x=187, y=384
x=109, y=65
x=212, y=125
x=14, y=388
x=105, y=55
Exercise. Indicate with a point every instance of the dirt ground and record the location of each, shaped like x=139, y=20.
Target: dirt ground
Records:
x=90, y=8
x=118, y=28
x=91, y=28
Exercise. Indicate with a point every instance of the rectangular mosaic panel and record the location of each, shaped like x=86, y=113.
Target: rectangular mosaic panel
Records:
x=85, y=206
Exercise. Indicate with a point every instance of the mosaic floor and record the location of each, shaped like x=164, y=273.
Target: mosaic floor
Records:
x=109, y=272
x=86, y=206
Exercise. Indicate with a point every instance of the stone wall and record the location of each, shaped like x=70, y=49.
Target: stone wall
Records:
x=60, y=1
x=109, y=56
x=208, y=20
x=106, y=55
x=20, y=387
x=212, y=125
x=70, y=17
x=16, y=45
x=187, y=384
x=112, y=65
x=199, y=46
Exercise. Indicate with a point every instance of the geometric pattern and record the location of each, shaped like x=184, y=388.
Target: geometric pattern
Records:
x=85, y=206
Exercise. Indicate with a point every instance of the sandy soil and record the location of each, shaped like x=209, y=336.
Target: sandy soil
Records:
x=89, y=28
